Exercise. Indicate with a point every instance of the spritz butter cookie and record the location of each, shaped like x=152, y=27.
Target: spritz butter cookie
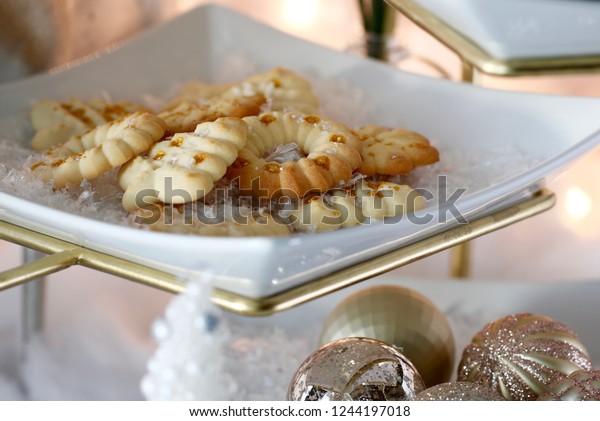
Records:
x=185, y=116
x=332, y=154
x=393, y=151
x=107, y=146
x=56, y=122
x=283, y=89
x=184, y=168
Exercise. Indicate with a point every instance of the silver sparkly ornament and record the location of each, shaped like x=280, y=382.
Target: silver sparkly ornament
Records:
x=400, y=317
x=459, y=391
x=582, y=385
x=521, y=355
x=355, y=369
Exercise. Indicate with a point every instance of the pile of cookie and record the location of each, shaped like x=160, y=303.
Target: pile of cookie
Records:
x=230, y=134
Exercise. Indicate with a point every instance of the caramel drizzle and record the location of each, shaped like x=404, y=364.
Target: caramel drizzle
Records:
x=78, y=113
x=267, y=119
x=273, y=167
x=312, y=119
x=178, y=141
x=200, y=157
x=113, y=110
x=337, y=138
x=322, y=161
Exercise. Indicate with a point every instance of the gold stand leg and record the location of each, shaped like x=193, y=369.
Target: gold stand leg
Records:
x=460, y=257
x=32, y=293
x=469, y=73
x=32, y=306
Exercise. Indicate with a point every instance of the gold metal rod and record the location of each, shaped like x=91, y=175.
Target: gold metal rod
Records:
x=38, y=268
x=32, y=310
x=468, y=72
x=132, y=271
x=460, y=261
x=32, y=239
x=92, y=259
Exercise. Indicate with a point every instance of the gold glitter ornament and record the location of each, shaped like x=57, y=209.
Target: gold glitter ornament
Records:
x=582, y=385
x=400, y=317
x=459, y=391
x=521, y=355
x=355, y=369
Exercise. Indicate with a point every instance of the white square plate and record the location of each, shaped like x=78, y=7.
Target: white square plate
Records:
x=488, y=130
x=524, y=29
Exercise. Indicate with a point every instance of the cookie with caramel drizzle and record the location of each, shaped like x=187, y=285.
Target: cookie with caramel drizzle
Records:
x=185, y=116
x=393, y=151
x=284, y=90
x=365, y=202
x=107, y=146
x=184, y=168
x=332, y=154
x=174, y=219
x=56, y=122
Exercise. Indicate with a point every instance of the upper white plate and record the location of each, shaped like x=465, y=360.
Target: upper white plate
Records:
x=499, y=144
x=513, y=29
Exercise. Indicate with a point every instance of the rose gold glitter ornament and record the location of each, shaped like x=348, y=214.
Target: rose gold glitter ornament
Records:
x=459, y=391
x=355, y=369
x=400, y=317
x=521, y=355
x=582, y=385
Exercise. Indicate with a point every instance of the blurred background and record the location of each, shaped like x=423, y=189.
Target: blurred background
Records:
x=36, y=36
